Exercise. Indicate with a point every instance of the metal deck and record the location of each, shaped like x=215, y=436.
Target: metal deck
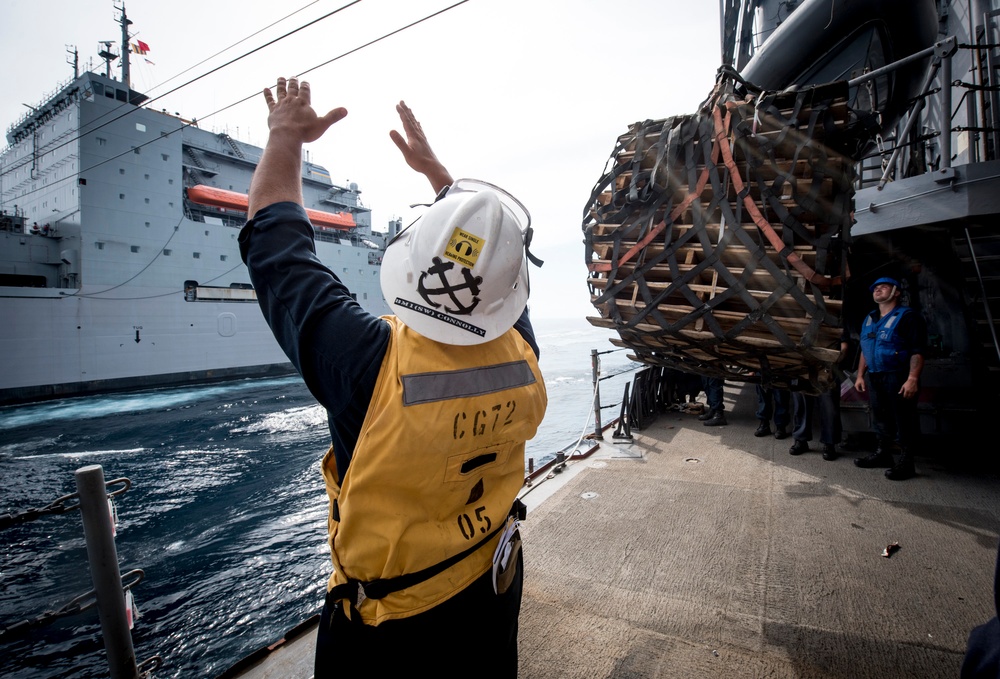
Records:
x=707, y=552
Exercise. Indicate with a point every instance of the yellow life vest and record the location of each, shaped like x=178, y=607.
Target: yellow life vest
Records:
x=438, y=463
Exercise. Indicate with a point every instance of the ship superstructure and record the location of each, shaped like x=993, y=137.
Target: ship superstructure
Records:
x=119, y=263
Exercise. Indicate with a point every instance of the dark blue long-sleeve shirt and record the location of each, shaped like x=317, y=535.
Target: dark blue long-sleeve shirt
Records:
x=331, y=340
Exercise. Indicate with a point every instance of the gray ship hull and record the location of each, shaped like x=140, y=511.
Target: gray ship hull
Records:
x=119, y=261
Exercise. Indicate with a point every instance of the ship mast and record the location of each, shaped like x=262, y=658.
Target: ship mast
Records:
x=71, y=49
x=125, y=23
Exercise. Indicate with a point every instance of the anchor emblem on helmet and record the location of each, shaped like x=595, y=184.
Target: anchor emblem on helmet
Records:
x=439, y=268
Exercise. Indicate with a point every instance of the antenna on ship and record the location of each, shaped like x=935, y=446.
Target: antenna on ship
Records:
x=71, y=49
x=108, y=55
x=125, y=23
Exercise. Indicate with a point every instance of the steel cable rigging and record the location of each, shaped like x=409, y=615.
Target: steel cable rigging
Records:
x=231, y=105
x=146, y=104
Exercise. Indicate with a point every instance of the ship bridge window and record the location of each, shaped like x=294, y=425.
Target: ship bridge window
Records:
x=98, y=88
x=109, y=92
x=121, y=95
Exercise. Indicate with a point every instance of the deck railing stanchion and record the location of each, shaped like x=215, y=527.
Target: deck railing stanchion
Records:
x=595, y=363
x=103, y=558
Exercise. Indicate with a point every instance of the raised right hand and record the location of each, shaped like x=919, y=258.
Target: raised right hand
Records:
x=292, y=117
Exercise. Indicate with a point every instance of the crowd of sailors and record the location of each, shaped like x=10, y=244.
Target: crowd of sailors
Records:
x=893, y=343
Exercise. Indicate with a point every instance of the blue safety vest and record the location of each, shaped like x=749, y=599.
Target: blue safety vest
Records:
x=883, y=347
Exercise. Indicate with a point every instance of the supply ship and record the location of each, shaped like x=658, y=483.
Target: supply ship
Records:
x=119, y=262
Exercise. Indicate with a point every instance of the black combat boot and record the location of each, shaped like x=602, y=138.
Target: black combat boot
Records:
x=798, y=447
x=903, y=469
x=880, y=458
x=716, y=420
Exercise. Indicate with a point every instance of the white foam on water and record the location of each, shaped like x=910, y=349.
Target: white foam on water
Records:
x=82, y=453
x=293, y=419
x=89, y=407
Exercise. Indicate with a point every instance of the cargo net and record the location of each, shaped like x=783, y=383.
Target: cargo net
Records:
x=714, y=241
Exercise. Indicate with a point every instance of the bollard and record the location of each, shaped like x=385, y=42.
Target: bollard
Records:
x=103, y=558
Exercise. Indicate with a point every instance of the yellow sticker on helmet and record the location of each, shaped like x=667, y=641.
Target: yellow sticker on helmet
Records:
x=464, y=248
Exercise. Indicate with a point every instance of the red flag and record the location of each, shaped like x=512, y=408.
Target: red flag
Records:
x=143, y=47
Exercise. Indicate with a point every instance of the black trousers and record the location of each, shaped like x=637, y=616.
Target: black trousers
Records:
x=473, y=634
x=828, y=405
x=895, y=418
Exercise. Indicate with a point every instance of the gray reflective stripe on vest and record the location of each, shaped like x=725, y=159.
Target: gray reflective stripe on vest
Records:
x=431, y=387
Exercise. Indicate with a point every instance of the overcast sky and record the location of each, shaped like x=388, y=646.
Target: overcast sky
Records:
x=527, y=94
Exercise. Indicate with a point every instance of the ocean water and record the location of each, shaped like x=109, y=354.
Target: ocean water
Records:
x=226, y=515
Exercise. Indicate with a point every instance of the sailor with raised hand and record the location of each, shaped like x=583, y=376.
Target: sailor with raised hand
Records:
x=429, y=408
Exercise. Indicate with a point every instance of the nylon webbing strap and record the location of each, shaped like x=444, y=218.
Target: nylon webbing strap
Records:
x=356, y=591
x=714, y=240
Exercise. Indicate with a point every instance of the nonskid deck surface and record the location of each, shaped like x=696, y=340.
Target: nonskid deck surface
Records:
x=706, y=552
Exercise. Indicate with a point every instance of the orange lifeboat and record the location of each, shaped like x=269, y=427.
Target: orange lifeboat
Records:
x=231, y=200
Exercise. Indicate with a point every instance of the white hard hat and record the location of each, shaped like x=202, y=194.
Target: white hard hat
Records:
x=459, y=274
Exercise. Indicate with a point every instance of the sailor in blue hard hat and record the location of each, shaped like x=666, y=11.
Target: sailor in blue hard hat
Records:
x=885, y=279
x=893, y=337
